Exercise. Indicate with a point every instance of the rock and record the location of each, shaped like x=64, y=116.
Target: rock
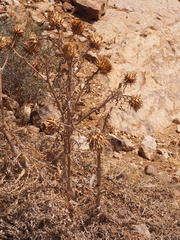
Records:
x=67, y=7
x=47, y=118
x=146, y=152
x=150, y=170
x=37, y=17
x=143, y=230
x=45, y=6
x=176, y=121
x=33, y=129
x=123, y=144
x=164, y=152
x=81, y=142
x=127, y=145
x=133, y=45
x=10, y=103
x=147, y=148
x=91, y=9
x=178, y=128
x=149, y=142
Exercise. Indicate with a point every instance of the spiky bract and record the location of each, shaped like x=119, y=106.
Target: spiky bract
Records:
x=104, y=64
x=95, y=40
x=18, y=30
x=77, y=26
x=50, y=126
x=130, y=78
x=136, y=102
x=54, y=19
x=96, y=141
x=69, y=50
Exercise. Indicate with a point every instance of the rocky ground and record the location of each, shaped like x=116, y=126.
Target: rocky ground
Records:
x=140, y=192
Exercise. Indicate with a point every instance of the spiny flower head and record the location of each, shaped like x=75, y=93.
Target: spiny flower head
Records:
x=54, y=19
x=104, y=64
x=77, y=26
x=96, y=141
x=130, y=78
x=50, y=125
x=95, y=40
x=69, y=50
x=5, y=42
x=136, y=102
x=18, y=30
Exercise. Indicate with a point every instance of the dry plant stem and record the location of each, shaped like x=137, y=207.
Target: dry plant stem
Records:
x=85, y=85
x=98, y=178
x=108, y=99
x=2, y=109
x=68, y=129
x=52, y=90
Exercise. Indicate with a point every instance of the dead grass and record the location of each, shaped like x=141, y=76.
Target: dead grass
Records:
x=33, y=202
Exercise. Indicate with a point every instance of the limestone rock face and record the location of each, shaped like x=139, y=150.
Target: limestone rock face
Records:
x=92, y=9
x=143, y=36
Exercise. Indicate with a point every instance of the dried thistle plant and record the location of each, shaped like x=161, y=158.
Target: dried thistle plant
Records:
x=69, y=50
x=50, y=126
x=32, y=44
x=135, y=102
x=96, y=141
x=18, y=30
x=5, y=42
x=77, y=26
x=95, y=40
x=54, y=19
x=130, y=78
x=104, y=64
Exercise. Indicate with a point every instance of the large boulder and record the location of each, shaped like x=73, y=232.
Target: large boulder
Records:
x=91, y=9
x=143, y=36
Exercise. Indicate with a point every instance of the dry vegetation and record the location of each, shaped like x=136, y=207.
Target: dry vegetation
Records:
x=46, y=186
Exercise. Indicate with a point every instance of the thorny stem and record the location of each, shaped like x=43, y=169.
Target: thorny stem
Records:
x=85, y=85
x=108, y=99
x=68, y=130
x=52, y=90
x=98, y=178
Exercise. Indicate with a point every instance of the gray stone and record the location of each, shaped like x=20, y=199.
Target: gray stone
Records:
x=149, y=142
x=123, y=144
x=67, y=7
x=146, y=152
x=127, y=145
x=143, y=230
x=150, y=170
x=91, y=9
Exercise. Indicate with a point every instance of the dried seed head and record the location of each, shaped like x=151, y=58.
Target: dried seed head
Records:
x=19, y=30
x=5, y=42
x=77, y=26
x=96, y=141
x=136, y=102
x=32, y=44
x=50, y=126
x=54, y=19
x=104, y=64
x=130, y=78
x=69, y=51
x=95, y=40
